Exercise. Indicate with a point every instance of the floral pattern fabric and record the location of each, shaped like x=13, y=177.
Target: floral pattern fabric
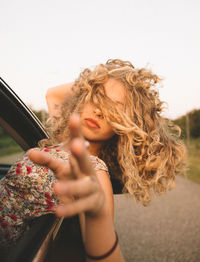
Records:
x=26, y=193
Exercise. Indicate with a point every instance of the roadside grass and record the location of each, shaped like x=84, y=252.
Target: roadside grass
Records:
x=193, y=172
x=8, y=146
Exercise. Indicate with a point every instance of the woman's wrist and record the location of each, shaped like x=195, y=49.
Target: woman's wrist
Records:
x=100, y=212
x=101, y=228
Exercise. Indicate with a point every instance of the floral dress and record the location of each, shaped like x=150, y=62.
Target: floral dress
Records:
x=26, y=193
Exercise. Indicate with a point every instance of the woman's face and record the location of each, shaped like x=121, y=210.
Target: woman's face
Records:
x=94, y=126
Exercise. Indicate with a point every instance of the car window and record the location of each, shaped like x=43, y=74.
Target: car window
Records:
x=10, y=151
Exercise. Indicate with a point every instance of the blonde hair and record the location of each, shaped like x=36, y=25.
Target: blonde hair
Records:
x=146, y=153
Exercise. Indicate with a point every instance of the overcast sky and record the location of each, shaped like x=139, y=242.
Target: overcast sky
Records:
x=44, y=43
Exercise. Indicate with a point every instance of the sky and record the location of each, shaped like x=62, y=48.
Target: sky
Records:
x=45, y=43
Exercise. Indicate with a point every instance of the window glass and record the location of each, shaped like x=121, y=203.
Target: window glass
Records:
x=10, y=151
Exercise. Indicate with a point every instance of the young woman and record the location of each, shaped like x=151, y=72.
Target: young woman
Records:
x=144, y=151
x=120, y=116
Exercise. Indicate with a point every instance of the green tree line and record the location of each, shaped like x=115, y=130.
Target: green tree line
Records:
x=42, y=114
x=193, y=123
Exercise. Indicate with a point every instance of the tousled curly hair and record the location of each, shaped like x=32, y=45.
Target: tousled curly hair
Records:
x=145, y=153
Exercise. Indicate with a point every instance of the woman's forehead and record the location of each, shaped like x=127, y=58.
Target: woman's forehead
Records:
x=115, y=90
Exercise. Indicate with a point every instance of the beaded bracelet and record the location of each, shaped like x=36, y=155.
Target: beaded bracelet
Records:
x=106, y=254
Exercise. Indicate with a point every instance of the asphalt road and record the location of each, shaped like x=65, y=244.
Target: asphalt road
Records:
x=166, y=231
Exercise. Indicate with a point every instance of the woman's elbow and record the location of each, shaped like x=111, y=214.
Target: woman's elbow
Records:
x=49, y=93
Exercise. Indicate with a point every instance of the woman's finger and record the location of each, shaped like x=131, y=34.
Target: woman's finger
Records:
x=75, y=170
x=59, y=166
x=80, y=188
x=91, y=204
x=79, y=151
x=78, y=146
x=74, y=126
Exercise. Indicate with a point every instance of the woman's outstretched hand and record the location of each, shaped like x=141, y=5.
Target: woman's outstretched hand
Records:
x=76, y=179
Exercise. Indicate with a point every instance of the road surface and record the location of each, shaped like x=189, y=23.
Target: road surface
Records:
x=166, y=231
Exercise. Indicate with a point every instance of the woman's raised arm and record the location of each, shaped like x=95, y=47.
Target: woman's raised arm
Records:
x=55, y=97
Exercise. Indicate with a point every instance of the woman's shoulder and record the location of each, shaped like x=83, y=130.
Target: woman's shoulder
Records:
x=98, y=164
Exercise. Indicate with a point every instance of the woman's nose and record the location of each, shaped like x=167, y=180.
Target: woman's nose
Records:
x=97, y=112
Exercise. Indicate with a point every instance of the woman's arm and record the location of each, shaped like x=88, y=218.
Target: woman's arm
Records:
x=104, y=180
x=102, y=226
x=55, y=97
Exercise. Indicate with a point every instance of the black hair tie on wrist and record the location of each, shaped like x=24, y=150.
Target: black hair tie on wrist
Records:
x=106, y=254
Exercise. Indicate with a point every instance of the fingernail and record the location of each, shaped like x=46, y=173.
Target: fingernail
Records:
x=75, y=117
x=59, y=211
x=31, y=150
x=87, y=144
x=55, y=188
x=59, y=188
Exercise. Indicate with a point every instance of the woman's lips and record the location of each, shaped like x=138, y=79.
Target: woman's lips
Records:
x=92, y=123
